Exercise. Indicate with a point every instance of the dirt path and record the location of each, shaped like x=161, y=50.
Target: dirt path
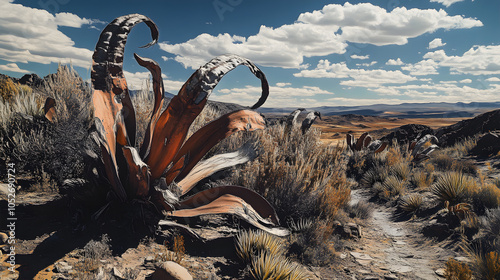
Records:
x=396, y=250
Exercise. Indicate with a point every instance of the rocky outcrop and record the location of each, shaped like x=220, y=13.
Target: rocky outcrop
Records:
x=31, y=80
x=487, y=145
x=489, y=121
x=407, y=133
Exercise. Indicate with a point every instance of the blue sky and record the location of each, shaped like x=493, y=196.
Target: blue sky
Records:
x=314, y=53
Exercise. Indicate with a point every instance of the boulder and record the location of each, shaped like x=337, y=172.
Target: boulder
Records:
x=407, y=133
x=171, y=271
x=487, y=145
x=348, y=230
x=489, y=121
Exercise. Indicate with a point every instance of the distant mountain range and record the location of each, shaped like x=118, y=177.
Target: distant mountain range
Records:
x=405, y=110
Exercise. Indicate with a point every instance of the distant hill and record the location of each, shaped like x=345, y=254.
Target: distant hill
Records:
x=405, y=110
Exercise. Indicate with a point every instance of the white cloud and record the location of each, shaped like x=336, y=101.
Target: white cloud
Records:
x=367, y=64
x=355, y=56
x=493, y=79
x=479, y=60
x=422, y=68
x=466, y=81
x=70, y=20
x=448, y=91
x=447, y=3
x=280, y=96
x=138, y=80
x=33, y=35
x=12, y=67
x=283, y=84
x=367, y=23
x=317, y=34
x=359, y=77
x=436, y=43
x=394, y=62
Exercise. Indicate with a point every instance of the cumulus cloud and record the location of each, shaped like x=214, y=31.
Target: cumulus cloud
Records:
x=447, y=3
x=12, y=67
x=466, y=81
x=493, y=79
x=368, y=64
x=33, y=35
x=436, y=43
x=355, y=56
x=319, y=33
x=394, y=62
x=139, y=80
x=282, y=95
x=422, y=68
x=479, y=60
x=358, y=77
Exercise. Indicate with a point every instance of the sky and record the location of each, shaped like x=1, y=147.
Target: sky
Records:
x=314, y=53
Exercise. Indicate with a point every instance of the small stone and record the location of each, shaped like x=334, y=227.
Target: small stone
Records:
x=117, y=273
x=149, y=259
x=371, y=278
x=4, y=237
x=171, y=271
x=48, y=269
x=440, y=272
x=343, y=255
x=390, y=277
x=362, y=271
x=362, y=259
x=63, y=267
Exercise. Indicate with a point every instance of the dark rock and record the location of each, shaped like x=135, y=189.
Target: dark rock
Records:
x=487, y=145
x=31, y=80
x=435, y=229
x=407, y=133
x=348, y=231
x=489, y=121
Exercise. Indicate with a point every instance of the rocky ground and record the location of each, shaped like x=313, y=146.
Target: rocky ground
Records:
x=388, y=249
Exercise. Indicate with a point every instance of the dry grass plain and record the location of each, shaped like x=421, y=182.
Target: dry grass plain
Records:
x=334, y=128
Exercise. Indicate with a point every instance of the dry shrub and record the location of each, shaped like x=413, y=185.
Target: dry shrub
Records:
x=401, y=170
x=267, y=266
x=313, y=245
x=361, y=210
x=296, y=173
x=37, y=145
x=377, y=174
x=394, y=154
x=9, y=89
x=93, y=252
x=177, y=253
x=485, y=197
x=486, y=264
x=421, y=179
x=457, y=271
x=443, y=161
x=391, y=187
x=411, y=203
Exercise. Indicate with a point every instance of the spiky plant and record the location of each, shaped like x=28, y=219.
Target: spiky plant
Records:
x=266, y=266
x=411, y=203
x=401, y=170
x=452, y=187
x=167, y=164
x=250, y=243
x=392, y=186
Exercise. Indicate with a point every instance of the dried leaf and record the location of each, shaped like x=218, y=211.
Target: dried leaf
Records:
x=50, y=109
x=110, y=87
x=173, y=125
x=209, y=135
